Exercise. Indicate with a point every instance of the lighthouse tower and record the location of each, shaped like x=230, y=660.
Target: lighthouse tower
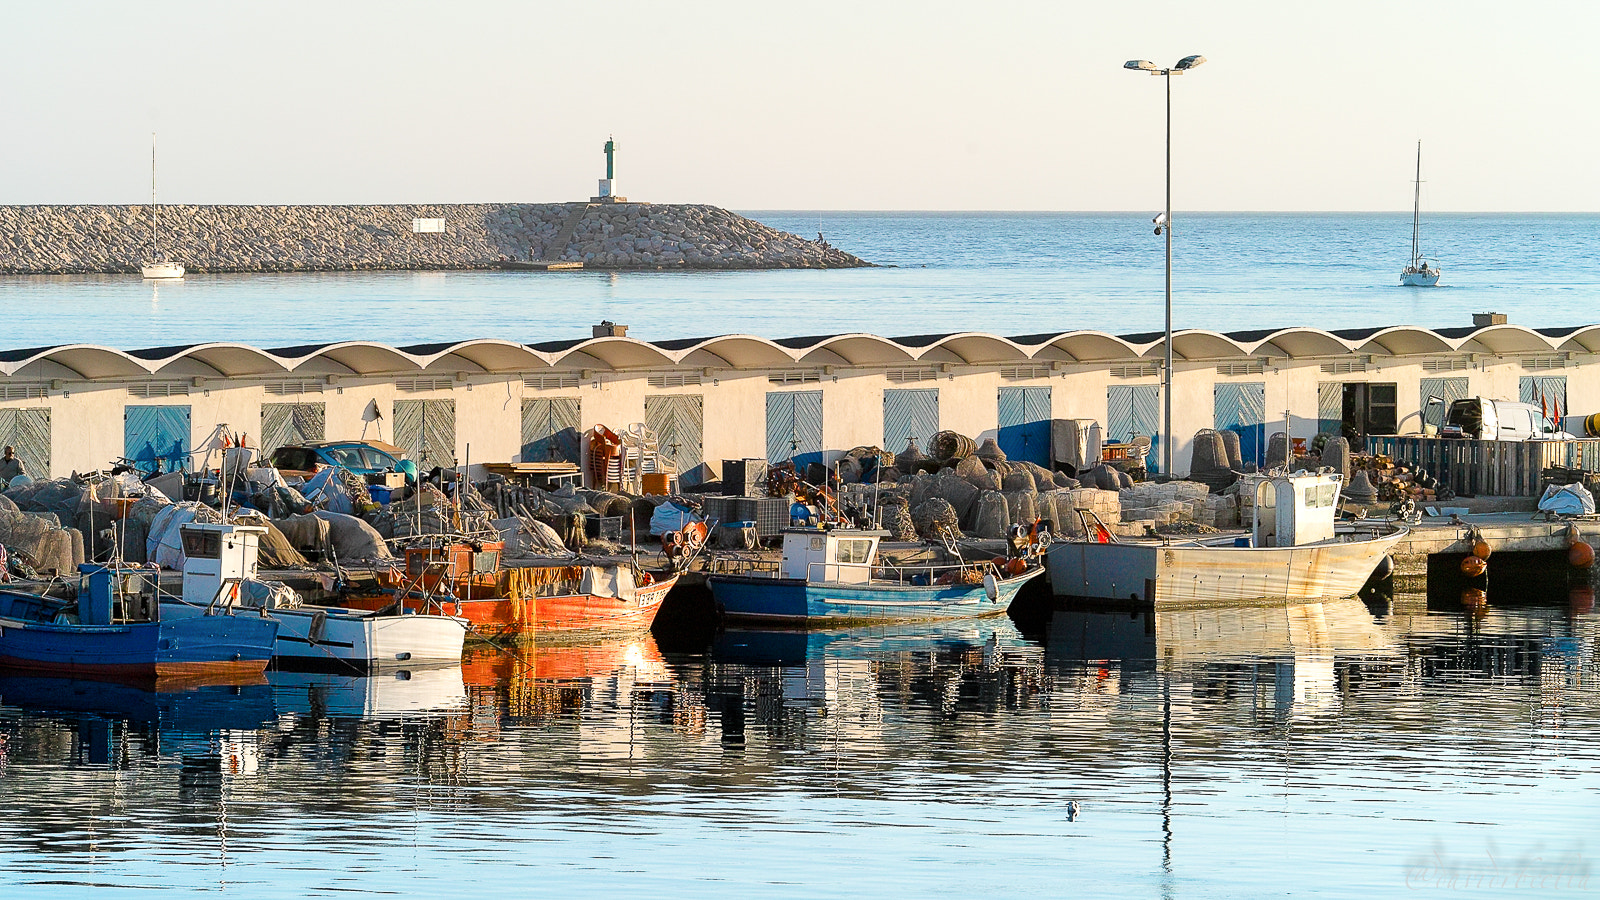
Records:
x=608, y=184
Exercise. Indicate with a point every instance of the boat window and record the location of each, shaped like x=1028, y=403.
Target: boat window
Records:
x=1319, y=495
x=852, y=551
x=202, y=544
x=486, y=562
x=817, y=543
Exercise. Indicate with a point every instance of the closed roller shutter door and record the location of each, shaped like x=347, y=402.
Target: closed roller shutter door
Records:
x=1024, y=420
x=28, y=430
x=156, y=438
x=794, y=427
x=292, y=423
x=679, y=426
x=1242, y=408
x=907, y=414
x=550, y=429
x=426, y=430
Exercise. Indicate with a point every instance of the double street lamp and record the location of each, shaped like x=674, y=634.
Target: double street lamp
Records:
x=1164, y=224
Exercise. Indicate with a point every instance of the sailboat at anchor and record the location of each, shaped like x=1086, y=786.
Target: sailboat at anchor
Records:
x=1418, y=273
x=157, y=266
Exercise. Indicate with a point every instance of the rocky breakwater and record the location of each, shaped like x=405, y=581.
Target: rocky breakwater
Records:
x=65, y=240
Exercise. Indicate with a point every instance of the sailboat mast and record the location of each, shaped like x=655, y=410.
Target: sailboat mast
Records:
x=156, y=244
x=1416, y=212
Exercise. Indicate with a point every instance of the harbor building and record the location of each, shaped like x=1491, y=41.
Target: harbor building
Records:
x=81, y=407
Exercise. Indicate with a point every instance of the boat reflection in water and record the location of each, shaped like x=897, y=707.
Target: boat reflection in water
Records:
x=406, y=692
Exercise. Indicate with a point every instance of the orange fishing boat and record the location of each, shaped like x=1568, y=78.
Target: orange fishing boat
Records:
x=562, y=602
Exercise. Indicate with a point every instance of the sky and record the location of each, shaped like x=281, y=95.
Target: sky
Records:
x=820, y=105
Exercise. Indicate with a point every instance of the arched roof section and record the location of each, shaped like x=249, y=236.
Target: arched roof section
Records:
x=974, y=349
x=85, y=361
x=616, y=353
x=1404, y=340
x=351, y=358
x=1198, y=344
x=1502, y=339
x=739, y=351
x=1087, y=346
x=486, y=355
x=1582, y=340
x=222, y=360
x=1300, y=343
x=857, y=350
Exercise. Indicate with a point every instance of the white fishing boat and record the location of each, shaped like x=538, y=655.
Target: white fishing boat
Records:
x=1296, y=552
x=309, y=636
x=157, y=266
x=1418, y=273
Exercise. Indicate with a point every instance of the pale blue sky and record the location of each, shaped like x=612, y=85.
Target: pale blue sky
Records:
x=860, y=105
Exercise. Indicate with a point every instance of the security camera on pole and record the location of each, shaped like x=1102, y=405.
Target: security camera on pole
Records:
x=1163, y=224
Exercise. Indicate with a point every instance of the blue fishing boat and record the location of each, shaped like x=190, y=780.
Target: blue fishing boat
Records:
x=832, y=577
x=113, y=628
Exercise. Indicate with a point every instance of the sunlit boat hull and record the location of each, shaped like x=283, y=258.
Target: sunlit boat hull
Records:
x=161, y=270
x=797, y=602
x=1420, y=279
x=1163, y=574
x=200, y=648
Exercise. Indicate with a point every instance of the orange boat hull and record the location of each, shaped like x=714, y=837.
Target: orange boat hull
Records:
x=563, y=617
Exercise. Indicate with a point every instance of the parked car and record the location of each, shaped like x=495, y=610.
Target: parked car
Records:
x=360, y=457
x=1482, y=419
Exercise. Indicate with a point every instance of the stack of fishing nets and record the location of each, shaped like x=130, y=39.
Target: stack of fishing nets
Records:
x=1209, y=463
x=948, y=446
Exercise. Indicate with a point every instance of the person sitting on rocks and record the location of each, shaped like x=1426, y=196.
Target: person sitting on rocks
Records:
x=10, y=467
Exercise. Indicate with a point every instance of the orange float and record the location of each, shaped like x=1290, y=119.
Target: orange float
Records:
x=1481, y=549
x=1473, y=566
x=1580, y=555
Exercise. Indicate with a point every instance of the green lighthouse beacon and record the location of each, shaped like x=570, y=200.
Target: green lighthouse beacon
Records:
x=608, y=192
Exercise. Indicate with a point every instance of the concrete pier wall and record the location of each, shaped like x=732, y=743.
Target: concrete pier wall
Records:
x=81, y=394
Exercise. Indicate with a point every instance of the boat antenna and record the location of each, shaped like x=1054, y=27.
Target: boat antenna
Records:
x=1416, y=211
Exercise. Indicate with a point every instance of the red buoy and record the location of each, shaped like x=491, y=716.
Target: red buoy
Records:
x=1580, y=555
x=1473, y=566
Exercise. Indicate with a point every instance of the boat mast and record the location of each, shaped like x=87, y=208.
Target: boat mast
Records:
x=1416, y=214
x=156, y=244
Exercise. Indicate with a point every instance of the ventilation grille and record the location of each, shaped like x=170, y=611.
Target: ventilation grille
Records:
x=1449, y=364
x=415, y=385
x=551, y=382
x=1535, y=363
x=24, y=392
x=1244, y=368
x=1344, y=368
x=294, y=386
x=147, y=390
x=674, y=379
x=1140, y=370
x=802, y=377
x=901, y=376
x=1021, y=373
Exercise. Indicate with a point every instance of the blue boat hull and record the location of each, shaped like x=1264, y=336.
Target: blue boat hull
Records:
x=202, y=647
x=793, y=601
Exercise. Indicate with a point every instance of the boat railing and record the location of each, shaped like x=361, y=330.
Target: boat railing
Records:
x=880, y=572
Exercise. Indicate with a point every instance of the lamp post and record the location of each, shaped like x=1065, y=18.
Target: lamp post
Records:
x=1164, y=224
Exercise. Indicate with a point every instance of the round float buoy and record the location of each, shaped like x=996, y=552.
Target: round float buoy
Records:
x=1476, y=602
x=1481, y=549
x=1580, y=555
x=1591, y=424
x=1016, y=567
x=1580, y=599
x=1473, y=566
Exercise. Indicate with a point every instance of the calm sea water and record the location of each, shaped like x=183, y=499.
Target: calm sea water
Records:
x=1335, y=749
x=1002, y=273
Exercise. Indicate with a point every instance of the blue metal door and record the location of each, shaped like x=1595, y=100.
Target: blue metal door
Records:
x=794, y=427
x=1024, y=421
x=1242, y=408
x=1135, y=411
x=1548, y=392
x=156, y=438
x=910, y=413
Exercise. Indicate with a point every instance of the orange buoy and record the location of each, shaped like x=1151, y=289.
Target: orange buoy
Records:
x=1473, y=566
x=1481, y=549
x=1476, y=602
x=1580, y=555
x=1016, y=567
x=999, y=563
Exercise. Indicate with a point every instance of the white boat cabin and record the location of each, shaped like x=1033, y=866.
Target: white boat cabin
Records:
x=1293, y=510
x=216, y=553
x=842, y=555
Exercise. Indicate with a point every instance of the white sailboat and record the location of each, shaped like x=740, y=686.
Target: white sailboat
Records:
x=1418, y=273
x=157, y=266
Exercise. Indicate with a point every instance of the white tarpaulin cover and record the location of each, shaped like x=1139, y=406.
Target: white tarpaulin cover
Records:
x=1567, y=500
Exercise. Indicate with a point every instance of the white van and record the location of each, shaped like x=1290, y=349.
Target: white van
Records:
x=1482, y=419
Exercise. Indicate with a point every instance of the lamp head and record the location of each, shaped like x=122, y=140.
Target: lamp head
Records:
x=1142, y=64
x=1189, y=62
